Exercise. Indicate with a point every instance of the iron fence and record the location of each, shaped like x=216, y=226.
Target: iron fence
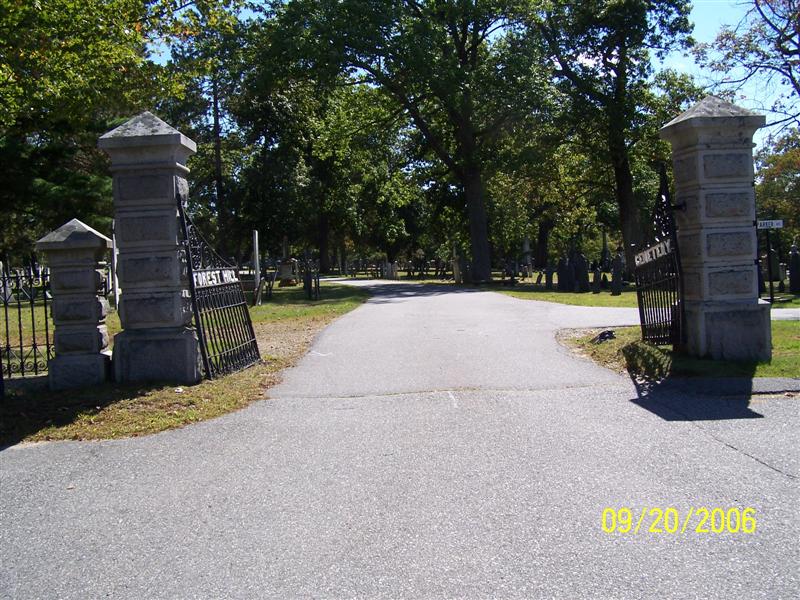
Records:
x=309, y=273
x=26, y=345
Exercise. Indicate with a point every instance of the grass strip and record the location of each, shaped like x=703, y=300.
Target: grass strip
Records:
x=285, y=328
x=628, y=353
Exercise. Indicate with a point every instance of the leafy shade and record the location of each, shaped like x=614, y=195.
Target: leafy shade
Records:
x=602, y=52
x=461, y=71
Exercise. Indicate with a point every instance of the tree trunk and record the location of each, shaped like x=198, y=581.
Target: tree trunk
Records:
x=478, y=226
x=629, y=215
x=542, y=239
x=324, y=249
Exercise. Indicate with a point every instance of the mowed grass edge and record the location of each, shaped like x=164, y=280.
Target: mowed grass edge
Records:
x=628, y=353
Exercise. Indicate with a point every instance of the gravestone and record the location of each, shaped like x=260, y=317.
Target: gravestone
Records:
x=563, y=275
x=572, y=273
x=605, y=254
x=548, y=276
x=582, y=273
x=287, y=274
x=770, y=265
x=712, y=156
x=616, y=274
x=596, y=280
x=148, y=164
x=76, y=255
x=794, y=270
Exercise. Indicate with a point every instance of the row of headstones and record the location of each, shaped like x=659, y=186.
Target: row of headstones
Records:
x=391, y=269
x=27, y=280
x=573, y=275
x=779, y=273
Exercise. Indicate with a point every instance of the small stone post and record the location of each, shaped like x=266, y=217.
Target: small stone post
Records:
x=148, y=162
x=76, y=255
x=256, y=258
x=712, y=157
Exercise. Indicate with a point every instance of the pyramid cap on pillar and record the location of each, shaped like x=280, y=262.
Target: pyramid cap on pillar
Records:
x=712, y=111
x=74, y=235
x=145, y=129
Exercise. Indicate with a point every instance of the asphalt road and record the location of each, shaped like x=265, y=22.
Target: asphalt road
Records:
x=432, y=444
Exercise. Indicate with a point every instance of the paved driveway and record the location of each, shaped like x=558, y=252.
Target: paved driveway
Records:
x=433, y=444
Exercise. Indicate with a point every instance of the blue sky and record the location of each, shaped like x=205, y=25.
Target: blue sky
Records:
x=708, y=17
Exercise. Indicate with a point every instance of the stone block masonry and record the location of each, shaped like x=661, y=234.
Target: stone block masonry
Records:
x=713, y=164
x=158, y=342
x=75, y=254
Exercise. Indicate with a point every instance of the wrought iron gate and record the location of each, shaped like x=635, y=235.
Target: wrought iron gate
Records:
x=221, y=317
x=659, y=284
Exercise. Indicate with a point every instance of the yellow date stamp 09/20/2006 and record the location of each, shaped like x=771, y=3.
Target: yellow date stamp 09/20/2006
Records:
x=670, y=520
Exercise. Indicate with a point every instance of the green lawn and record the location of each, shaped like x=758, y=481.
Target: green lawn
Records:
x=34, y=322
x=785, y=300
x=529, y=291
x=291, y=302
x=628, y=353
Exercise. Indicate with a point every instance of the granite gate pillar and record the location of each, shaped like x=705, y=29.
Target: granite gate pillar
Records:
x=712, y=156
x=148, y=162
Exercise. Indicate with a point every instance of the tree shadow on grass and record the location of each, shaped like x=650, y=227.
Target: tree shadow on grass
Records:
x=663, y=388
x=30, y=407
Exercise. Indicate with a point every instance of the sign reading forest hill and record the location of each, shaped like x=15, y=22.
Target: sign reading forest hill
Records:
x=653, y=252
x=214, y=277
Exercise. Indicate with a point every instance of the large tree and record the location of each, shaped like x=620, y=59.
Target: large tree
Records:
x=602, y=55
x=66, y=69
x=205, y=45
x=460, y=69
x=778, y=187
x=329, y=167
x=70, y=70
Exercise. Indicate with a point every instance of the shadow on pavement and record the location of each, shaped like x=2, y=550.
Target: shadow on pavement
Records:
x=30, y=407
x=697, y=399
x=389, y=292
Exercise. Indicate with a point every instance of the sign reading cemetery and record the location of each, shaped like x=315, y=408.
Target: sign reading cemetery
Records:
x=653, y=252
x=771, y=224
x=212, y=277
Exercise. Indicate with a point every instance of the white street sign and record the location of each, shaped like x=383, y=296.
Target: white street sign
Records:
x=773, y=224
